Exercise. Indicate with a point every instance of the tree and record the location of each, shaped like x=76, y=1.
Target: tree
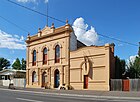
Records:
x=23, y=64
x=134, y=67
x=4, y=63
x=139, y=50
x=119, y=67
x=137, y=66
x=16, y=65
x=130, y=70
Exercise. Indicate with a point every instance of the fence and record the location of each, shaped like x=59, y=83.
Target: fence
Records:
x=125, y=85
x=116, y=84
x=134, y=84
x=6, y=82
x=18, y=82
x=1, y=82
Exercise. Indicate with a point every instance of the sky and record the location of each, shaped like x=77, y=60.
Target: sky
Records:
x=119, y=19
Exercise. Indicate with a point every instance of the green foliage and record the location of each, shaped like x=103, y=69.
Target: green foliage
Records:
x=131, y=70
x=19, y=65
x=23, y=64
x=139, y=52
x=16, y=65
x=119, y=67
x=4, y=63
x=134, y=68
x=137, y=66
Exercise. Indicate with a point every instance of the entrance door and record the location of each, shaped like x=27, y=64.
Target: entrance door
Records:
x=43, y=79
x=85, y=81
x=56, y=78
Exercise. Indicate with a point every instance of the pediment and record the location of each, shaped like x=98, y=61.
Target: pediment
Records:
x=46, y=30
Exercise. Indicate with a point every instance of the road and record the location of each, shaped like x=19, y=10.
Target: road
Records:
x=7, y=95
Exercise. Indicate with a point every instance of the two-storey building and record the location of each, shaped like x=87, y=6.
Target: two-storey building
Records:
x=55, y=57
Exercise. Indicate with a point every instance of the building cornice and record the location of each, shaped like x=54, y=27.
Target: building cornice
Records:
x=60, y=30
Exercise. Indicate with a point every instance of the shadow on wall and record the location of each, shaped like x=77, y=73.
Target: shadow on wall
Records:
x=90, y=70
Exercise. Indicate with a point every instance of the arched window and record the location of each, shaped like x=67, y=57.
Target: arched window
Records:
x=45, y=56
x=34, y=77
x=34, y=57
x=57, y=54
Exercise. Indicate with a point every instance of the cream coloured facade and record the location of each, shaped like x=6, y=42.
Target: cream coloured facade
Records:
x=56, y=58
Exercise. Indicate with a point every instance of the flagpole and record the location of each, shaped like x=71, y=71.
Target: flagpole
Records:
x=47, y=13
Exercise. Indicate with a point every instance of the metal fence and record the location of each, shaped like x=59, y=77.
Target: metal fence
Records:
x=134, y=84
x=18, y=82
x=1, y=82
x=116, y=84
x=120, y=85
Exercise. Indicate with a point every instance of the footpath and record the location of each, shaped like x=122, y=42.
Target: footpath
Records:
x=87, y=93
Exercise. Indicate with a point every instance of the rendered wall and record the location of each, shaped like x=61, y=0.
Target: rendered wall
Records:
x=49, y=40
x=99, y=67
x=94, y=61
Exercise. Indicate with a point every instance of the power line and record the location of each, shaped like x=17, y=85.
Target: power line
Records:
x=110, y=37
x=71, y=25
x=36, y=11
x=13, y=24
x=118, y=40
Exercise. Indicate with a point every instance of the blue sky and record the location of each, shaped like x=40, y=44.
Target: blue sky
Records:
x=114, y=18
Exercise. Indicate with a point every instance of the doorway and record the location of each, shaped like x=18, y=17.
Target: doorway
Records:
x=56, y=78
x=85, y=81
x=43, y=79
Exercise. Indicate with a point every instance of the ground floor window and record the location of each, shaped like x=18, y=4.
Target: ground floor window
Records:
x=34, y=77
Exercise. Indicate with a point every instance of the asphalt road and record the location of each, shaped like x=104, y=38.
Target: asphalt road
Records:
x=7, y=95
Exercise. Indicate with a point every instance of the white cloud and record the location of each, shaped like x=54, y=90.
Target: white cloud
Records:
x=46, y=1
x=131, y=60
x=120, y=45
x=11, y=42
x=89, y=37
x=21, y=38
x=25, y=1
x=16, y=36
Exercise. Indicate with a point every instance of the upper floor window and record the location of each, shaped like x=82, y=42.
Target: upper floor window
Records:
x=57, y=54
x=34, y=57
x=45, y=56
